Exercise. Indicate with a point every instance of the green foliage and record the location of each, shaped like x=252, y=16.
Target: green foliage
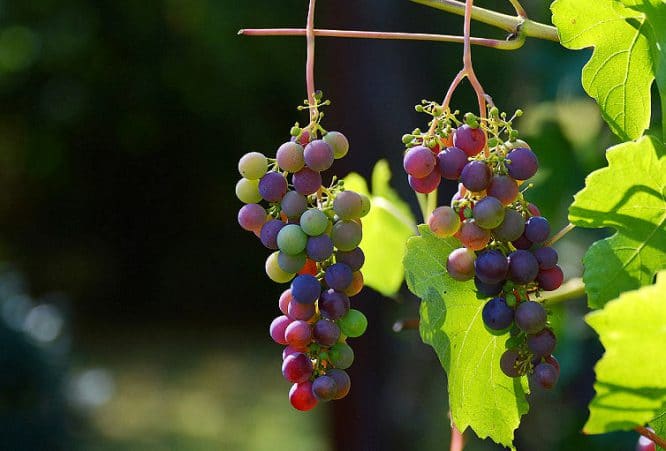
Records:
x=385, y=230
x=628, y=40
x=631, y=376
x=659, y=424
x=628, y=196
x=480, y=395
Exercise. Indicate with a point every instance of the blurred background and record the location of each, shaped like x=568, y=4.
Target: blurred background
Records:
x=134, y=311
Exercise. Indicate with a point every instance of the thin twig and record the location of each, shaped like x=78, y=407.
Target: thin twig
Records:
x=510, y=44
x=568, y=228
x=519, y=8
x=645, y=432
x=571, y=289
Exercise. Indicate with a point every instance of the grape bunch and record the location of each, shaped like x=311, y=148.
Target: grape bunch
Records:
x=503, y=235
x=314, y=232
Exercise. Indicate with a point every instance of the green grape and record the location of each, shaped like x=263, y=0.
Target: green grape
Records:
x=291, y=239
x=341, y=355
x=365, y=201
x=314, y=222
x=247, y=191
x=348, y=205
x=353, y=324
x=253, y=165
x=291, y=263
x=338, y=142
x=274, y=272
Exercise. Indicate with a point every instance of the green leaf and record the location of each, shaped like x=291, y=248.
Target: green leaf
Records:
x=631, y=376
x=627, y=55
x=659, y=424
x=629, y=196
x=480, y=395
x=385, y=230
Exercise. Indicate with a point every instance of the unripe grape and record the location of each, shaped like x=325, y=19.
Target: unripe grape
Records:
x=253, y=165
x=314, y=222
x=348, y=205
x=444, y=222
x=365, y=205
x=252, y=217
x=274, y=272
x=473, y=236
x=338, y=143
x=346, y=235
x=353, y=324
x=488, y=213
x=356, y=285
x=247, y=191
x=318, y=155
x=291, y=263
x=290, y=157
x=341, y=356
x=293, y=204
x=291, y=239
x=460, y=264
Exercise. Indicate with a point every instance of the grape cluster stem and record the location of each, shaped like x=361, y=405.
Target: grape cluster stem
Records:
x=309, y=64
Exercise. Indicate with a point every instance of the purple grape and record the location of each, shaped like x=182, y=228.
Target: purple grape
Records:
x=530, y=317
x=511, y=228
x=509, y=363
x=272, y=186
x=491, y=266
x=342, y=382
x=523, y=267
x=252, y=217
x=546, y=256
x=522, y=163
x=488, y=213
x=305, y=289
x=488, y=289
x=346, y=235
x=301, y=396
x=338, y=276
x=278, y=327
x=497, y=315
x=550, y=279
x=298, y=334
x=475, y=176
x=293, y=204
x=324, y=388
x=297, y=368
x=419, y=162
x=319, y=248
x=333, y=304
x=542, y=344
x=290, y=157
x=318, y=155
x=522, y=242
x=269, y=233
x=460, y=264
x=427, y=184
x=472, y=236
x=469, y=140
x=289, y=350
x=503, y=188
x=451, y=162
x=326, y=332
x=354, y=258
x=306, y=181
x=546, y=375
x=298, y=311
x=537, y=229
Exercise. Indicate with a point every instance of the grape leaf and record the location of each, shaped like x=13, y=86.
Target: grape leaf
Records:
x=630, y=196
x=628, y=41
x=385, y=230
x=631, y=376
x=480, y=395
x=659, y=424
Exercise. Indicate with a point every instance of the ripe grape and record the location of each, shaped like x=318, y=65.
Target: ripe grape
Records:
x=290, y=157
x=338, y=276
x=247, y=191
x=290, y=350
x=314, y=222
x=346, y=235
x=291, y=239
x=460, y=264
x=304, y=312
x=342, y=382
x=269, y=233
x=291, y=263
x=546, y=375
x=425, y=185
x=546, y=256
x=469, y=140
x=324, y=388
x=253, y=165
x=333, y=304
x=341, y=356
x=451, y=162
x=645, y=444
x=511, y=228
x=496, y=314
x=542, y=344
x=348, y=205
x=319, y=248
x=523, y=267
x=318, y=155
x=326, y=332
x=522, y=242
x=353, y=324
x=297, y=368
x=537, y=229
x=473, y=236
x=272, y=186
x=338, y=143
x=503, y=188
x=522, y=163
x=293, y=204
x=305, y=289
x=488, y=289
x=509, y=363
x=274, y=272
x=356, y=285
x=476, y=176
x=550, y=279
x=301, y=396
x=306, y=181
x=252, y=217
x=530, y=317
x=354, y=258
x=491, y=266
x=488, y=213
x=419, y=162
x=553, y=361
x=298, y=334
x=278, y=328
x=284, y=301
x=444, y=222
x=533, y=210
